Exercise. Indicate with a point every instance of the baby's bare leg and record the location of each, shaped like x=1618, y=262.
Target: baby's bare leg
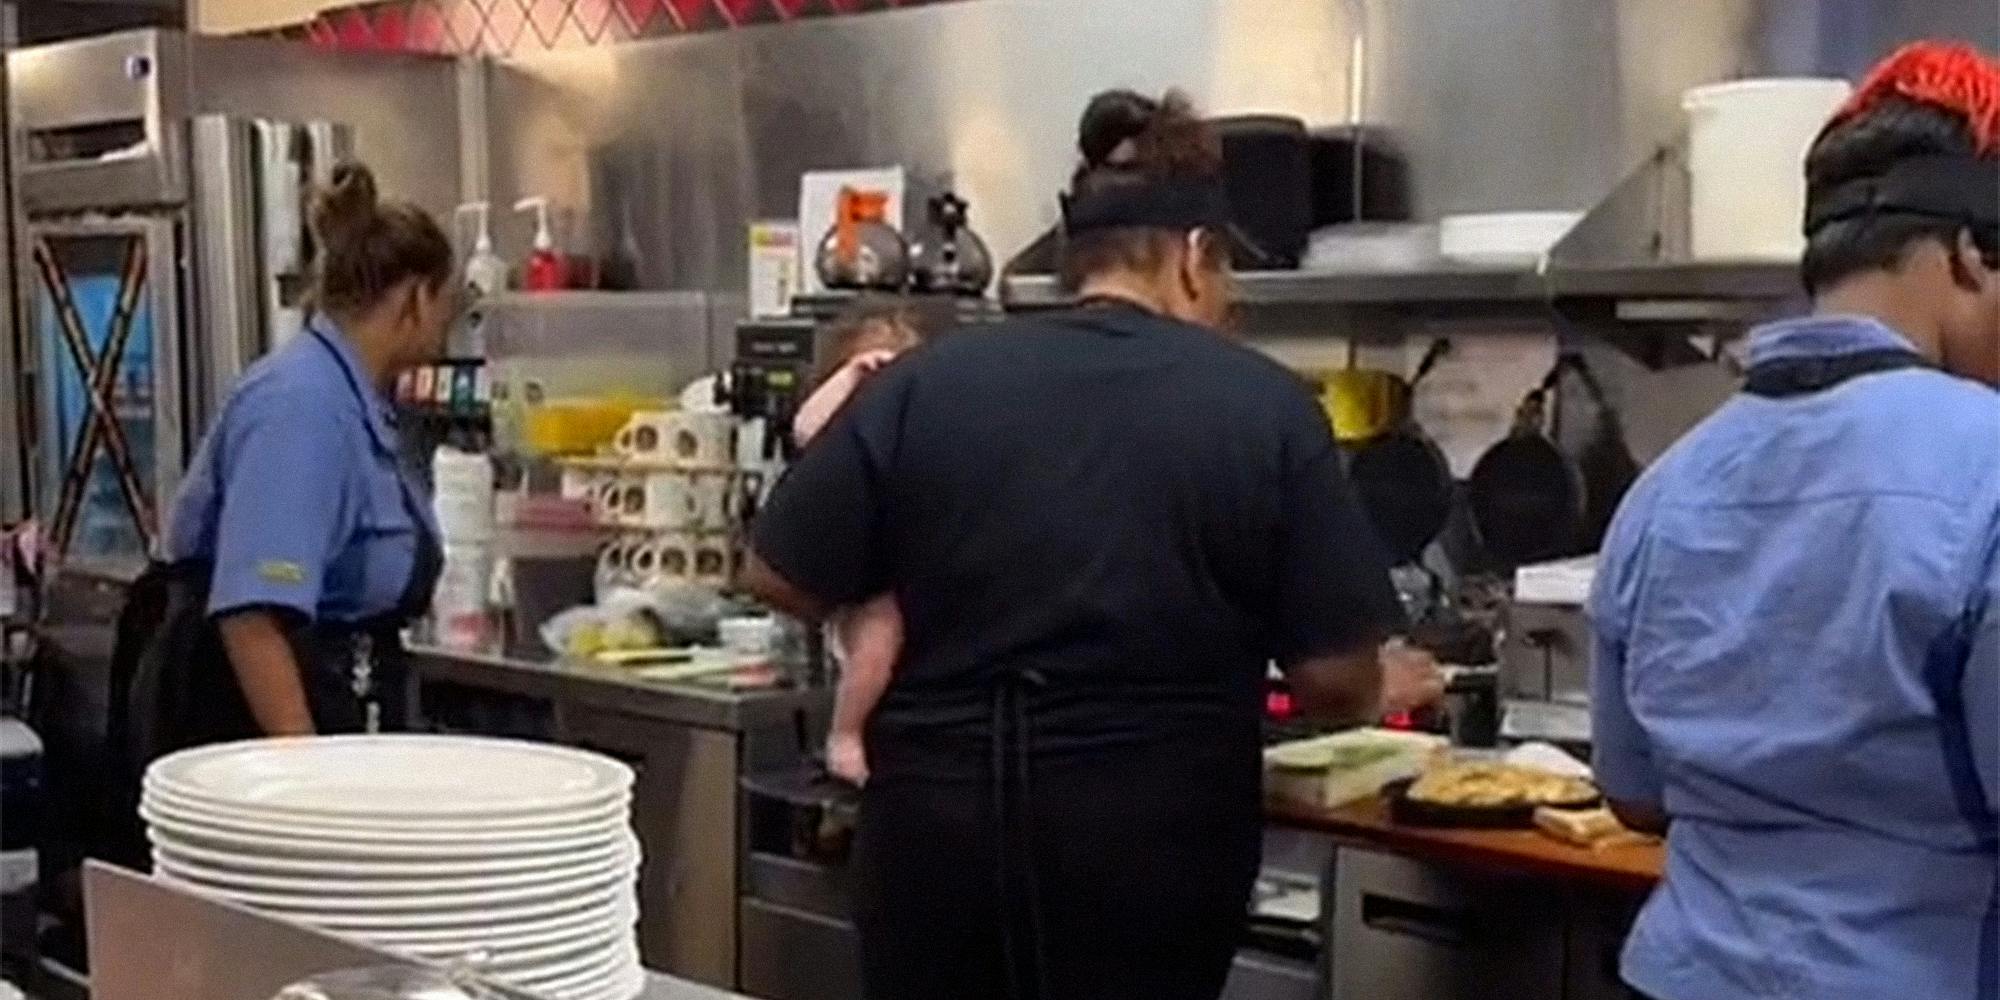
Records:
x=871, y=637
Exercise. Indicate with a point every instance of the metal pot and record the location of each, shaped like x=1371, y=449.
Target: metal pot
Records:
x=951, y=259
x=861, y=250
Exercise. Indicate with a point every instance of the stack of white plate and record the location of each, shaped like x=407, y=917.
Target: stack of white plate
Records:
x=436, y=847
x=1503, y=239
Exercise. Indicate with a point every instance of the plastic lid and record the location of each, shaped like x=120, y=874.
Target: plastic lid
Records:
x=1833, y=88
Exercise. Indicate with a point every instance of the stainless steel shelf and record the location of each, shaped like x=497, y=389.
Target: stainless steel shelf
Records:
x=1310, y=288
x=1455, y=286
x=1722, y=281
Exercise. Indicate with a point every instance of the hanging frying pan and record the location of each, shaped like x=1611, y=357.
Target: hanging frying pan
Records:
x=1526, y=496
x=1401, y=476
x=1605, y=462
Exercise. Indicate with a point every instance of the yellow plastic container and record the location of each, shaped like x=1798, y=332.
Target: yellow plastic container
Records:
x=579, y=426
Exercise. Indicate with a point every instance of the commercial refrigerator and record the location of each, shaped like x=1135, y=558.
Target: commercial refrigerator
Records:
x=162, y=180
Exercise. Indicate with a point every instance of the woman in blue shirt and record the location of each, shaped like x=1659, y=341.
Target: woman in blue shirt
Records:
x=1797, y=670
x=297, y=549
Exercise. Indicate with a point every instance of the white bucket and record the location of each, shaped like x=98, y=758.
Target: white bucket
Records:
x=1747, y=142
x=462, y=495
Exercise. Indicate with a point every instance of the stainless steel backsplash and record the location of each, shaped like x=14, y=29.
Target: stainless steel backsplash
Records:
x=668, y=147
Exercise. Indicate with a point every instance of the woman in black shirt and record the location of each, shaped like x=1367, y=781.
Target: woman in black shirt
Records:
x=1101, y=526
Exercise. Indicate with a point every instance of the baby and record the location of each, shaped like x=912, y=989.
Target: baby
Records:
x=867, y=637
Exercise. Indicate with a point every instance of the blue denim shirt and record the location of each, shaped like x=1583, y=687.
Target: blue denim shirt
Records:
x=1793, y=659
x=297, y=495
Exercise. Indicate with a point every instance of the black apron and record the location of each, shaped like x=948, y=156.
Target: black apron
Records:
x=182, y=691
x=172, y=685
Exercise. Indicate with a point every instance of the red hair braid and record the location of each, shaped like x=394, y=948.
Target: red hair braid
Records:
x=1953, y=76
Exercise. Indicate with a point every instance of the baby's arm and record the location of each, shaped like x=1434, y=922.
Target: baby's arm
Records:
x=818, y=409
x=871, y=638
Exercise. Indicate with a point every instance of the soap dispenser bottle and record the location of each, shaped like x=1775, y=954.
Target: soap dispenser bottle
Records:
x=485, y=276
x=485, y=272
x=545, y=271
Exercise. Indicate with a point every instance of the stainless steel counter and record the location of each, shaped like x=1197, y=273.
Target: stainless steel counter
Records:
x=690, y=746
x=618, y=689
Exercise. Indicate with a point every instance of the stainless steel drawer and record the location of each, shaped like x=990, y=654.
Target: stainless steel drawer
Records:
x=793, y=955
x=1406, y=930
x=799, y=885
x=1269, y=977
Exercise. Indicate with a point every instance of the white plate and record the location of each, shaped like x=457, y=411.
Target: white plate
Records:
x=590, y=940
x=399, y=775
x=611, y=850
x=600, y=961
x=293, y=885
x=456, y=923
x=575, y=975
x=623, y=984
x=619, y=914
x=404, y=828
x=418, y=908
x=163, y=830
x=587, y=981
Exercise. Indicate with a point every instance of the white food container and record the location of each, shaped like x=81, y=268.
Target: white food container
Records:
x=1747, y=143
x=1289, y=771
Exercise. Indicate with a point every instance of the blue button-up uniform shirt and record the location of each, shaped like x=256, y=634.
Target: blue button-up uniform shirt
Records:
x=297, y=495
x=1791, y=657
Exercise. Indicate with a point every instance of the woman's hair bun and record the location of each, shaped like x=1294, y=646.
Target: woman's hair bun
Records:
x=1110, y=120
x=367, y=247
x=1126, y=131
x=343, y=211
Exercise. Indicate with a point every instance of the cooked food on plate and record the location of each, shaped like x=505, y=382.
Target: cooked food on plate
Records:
x=1485, y=784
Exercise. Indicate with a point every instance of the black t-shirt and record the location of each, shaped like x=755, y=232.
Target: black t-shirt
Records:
x=1139, y=511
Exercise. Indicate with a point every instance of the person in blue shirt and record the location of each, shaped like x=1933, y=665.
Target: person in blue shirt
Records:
x=1797, y=608
x=297, y=548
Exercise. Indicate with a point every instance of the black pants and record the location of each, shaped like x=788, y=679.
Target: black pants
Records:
x=1142, y=863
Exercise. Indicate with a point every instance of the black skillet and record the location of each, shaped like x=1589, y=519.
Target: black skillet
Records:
x=1402, y=477
x=1530, y=501
x=1525, y=494
x=1606, y=462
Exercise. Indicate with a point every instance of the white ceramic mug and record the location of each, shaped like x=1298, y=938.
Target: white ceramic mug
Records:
x=644, y=435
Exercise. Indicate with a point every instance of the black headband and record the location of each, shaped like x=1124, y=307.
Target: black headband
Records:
x=1176, y=204
x=1960, y=188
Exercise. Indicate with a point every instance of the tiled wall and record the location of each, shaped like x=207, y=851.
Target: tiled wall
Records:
x=516, y=27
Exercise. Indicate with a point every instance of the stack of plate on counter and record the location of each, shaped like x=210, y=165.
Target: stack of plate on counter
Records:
x=436, y=847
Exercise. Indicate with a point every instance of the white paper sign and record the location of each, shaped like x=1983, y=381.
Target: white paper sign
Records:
x=774, y=268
